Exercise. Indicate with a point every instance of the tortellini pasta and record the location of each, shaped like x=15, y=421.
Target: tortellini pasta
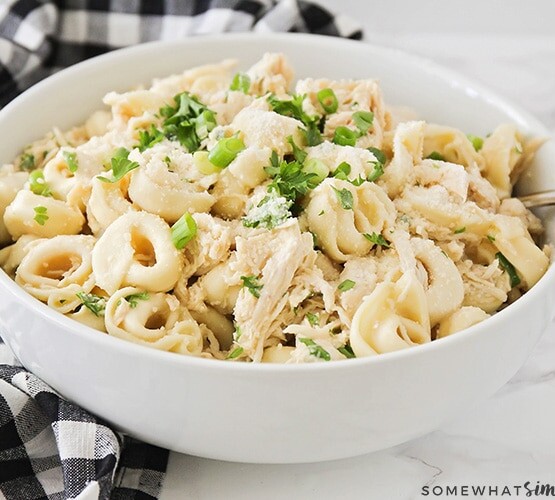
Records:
x=394, y=316
x=136, y=250
x=23, y=216
x=167, y=183
x=219, y=213
x=55, y=270
x=340, y=230
x=157, y=320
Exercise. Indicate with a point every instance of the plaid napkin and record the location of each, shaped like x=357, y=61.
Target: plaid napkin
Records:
x=40, y=37
x=50, y=448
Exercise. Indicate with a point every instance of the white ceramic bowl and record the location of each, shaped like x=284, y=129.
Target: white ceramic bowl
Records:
x=257, y=413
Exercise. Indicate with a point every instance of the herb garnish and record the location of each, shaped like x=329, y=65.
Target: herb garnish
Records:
x=434, y=155
x=342, y=171
x=150, y=137
x=313, y=319
x=377, y=239
x=376, y=173
x=328, y=100
x=94, y=303
x=379, y=154
x=134, y=298
x=27, y=161
x=235, y=353
x=183, y=231
x=41, y=215
x=477, y=142
x=508, y=268
x=38, y=185
x=346, y=285
x=315, y=350
x=289, y=179
x=347, y=351
x=345, y=197
x=298, y=153
x=271, y=212
x=252, y=285
x=363, y=121
x=294, y=108
x=188, y=120
x=120, y=165
x=70, y=158
x=241, y=83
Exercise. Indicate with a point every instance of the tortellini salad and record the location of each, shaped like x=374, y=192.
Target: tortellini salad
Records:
x=240, y=216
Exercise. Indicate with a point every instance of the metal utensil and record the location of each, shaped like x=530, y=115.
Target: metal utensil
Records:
x=538, y=199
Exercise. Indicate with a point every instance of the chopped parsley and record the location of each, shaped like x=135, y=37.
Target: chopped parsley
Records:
x=345, y=197
x=27, y=161
x=508, y=268
x=94, y=303
x=363, y=121
x=134, y=298
x=434, y=155
x=358, y=181
x=346, y=285
x=150, y=137
x=377, y=239
x=183, y=231
x=187, y=121
x=491, y=237
x=271, y=212
x=38, y=185
x=252, y=284
x=289, y=179
x=313, y=319
x=294, y=108
x=298, y=153
x=235, y=353
x=120, y=165
x=241, y=83
x=289, y=107
x=41, y=215
x=477, y=142
x=460, y=230
x=70, y=158
x=347, y=351
x=315, y=350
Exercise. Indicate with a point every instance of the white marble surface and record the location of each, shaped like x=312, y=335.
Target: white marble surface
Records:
x=505, y=441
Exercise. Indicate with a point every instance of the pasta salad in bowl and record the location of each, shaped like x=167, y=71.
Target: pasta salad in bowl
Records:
x=233, y=212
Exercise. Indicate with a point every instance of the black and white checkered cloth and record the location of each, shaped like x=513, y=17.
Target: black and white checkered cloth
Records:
x=39, y=37
x=50, y=448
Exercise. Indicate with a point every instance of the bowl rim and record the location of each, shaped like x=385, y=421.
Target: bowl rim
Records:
x=449, y=76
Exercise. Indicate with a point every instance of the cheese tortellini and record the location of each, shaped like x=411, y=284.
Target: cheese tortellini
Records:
x=239, y=215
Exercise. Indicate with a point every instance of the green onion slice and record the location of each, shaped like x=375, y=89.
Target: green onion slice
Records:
x=241, y=83
x=328, y=100
x=363, y=121
x=37, y=184
x=344, y=136
x=183, y=231
x=226, y=151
